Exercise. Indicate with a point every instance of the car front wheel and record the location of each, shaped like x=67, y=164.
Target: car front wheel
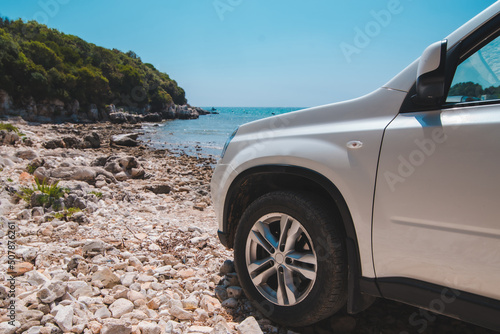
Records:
x=290, y=257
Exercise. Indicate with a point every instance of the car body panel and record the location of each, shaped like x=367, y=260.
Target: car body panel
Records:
x=317, y=139
x=436, y=212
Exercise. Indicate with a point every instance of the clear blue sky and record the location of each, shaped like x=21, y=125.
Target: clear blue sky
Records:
x=261, y=52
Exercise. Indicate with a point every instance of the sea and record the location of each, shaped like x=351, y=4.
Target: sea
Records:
x=205, y=136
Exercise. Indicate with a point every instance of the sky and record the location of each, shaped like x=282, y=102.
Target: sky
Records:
x=261, y=53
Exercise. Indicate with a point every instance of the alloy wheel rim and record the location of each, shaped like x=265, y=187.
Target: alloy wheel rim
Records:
x=281, y=259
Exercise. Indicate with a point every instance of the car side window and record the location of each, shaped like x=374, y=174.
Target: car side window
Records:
x=478, y=77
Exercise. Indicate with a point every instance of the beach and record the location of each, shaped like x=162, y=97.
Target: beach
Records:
x=131, y=244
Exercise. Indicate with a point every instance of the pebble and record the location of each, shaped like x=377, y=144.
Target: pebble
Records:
x=249, y=326
x=120, y=307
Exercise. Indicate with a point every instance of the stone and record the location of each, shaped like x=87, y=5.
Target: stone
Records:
x=137, y=173
x=149, y=328
x=186, y=273
x=51, y=292
x=120, y=307
x=227, y=267
x=26, y=154
x=234, y=292
x=154, y=303
x=210, y=304
x=37, y=211
x=190, y=303
x=94, y=246
x=75, y=285
x=64, y=318
x=72, y=142
x=35, y=278
x=200, y=329
x=106, y=277
x=24, y=215
x=129, y=139
x=179, y=313
x=230, y=303
x=135, y=295
x=92, y=140
x=34, y=330
x=30, y=315
x=102, y=313
x=121, y=176
x=249, y=326
x=220, y=328
x=159, y=188
x=221, y=293
x=115, y=327
x=94, y=326
x=54, y=143
x=128, y=279
x=20, y=269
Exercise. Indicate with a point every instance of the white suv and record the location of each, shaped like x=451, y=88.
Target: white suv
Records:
x=395, y=194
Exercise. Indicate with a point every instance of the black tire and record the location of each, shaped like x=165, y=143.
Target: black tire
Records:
x=266, y=267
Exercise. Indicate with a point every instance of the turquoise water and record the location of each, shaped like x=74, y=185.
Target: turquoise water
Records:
x=206, y=135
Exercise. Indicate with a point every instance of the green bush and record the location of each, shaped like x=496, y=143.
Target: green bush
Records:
x=65, y=214
x=10, y=128
x=50, y=193
x=98, y=194
x=45, y=63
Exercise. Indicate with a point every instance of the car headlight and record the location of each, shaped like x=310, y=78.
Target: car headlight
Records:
x=228, y=141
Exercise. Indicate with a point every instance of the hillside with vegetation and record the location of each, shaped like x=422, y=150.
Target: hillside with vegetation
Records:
x=63, y=74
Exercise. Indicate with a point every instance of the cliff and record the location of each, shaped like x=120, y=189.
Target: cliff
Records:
x=46, y=75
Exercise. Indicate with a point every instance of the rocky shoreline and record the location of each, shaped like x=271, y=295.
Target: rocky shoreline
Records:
x=130, y=246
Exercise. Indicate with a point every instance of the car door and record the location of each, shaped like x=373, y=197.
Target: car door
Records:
x=437, y=200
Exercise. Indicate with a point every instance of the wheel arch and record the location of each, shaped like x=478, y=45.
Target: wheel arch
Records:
x=257, y=181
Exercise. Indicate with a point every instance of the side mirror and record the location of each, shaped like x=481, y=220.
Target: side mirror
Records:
x=431, y=74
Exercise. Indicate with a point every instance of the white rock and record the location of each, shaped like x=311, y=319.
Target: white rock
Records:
x=149, y=328
x=230, y=302
x=6, y=328
x=249, y=326
x=120, y=307
x=33, y=330
x=200, y=329
x=35, y=278
x=190, y=303
x=128, y=279
x=75, y=285
x=115, y=327
x=52, y=291
x=64, y=318
x=234, y=292
x=102, y=313
x=179, y=313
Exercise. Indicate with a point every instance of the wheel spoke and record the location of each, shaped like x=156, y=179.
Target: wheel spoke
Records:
x=281, y=293
x=289, y=286
x=293, y=234
x=308, y=257
x=259, y=266
x=263, y=236
x=263, y=277
x=307, y=273
x=284, y=226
